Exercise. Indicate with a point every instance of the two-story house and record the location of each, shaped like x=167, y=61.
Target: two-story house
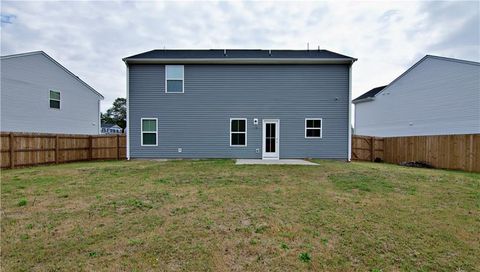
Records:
x=38, y=94
x=266, y=104
x=436, y=96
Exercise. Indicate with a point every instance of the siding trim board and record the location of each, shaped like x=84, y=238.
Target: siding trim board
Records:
x=349, y=112
x=128, y=112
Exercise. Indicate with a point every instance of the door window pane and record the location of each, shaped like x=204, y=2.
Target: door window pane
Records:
x=270, y=133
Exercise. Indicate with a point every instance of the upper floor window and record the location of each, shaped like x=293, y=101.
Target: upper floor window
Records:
x=54, y=100
x=174, y=78
x=238, y=132
x=313, y=128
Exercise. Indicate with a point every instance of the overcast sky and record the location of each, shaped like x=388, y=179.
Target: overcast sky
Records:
x=91, y=38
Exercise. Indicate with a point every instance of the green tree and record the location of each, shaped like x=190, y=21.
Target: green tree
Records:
x=117, y=114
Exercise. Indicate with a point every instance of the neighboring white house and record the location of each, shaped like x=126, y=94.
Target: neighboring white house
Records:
x=436, y=96
x=40, y=95
x=111, y=129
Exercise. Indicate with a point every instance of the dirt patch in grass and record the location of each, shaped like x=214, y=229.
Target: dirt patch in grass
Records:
x=213, y=215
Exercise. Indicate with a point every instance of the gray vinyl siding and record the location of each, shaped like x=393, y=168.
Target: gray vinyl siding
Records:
x=198, y=120
x=25, y=85
x=436, y=97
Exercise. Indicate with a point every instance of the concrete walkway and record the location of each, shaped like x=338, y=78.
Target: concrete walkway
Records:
x=285, y=161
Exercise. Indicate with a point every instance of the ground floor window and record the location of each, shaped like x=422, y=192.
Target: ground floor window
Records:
x=238, y=132
x=149, y=131
x=313, y=128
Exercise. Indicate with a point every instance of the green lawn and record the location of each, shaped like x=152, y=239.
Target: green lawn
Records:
x=212, y=215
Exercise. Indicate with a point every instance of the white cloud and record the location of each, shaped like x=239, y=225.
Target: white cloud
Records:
x=90, y=38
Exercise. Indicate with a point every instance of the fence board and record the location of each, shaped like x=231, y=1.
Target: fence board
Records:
x=26, y=149
x=459, y=152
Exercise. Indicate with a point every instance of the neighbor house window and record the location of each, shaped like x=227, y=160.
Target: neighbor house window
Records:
x=174, y=78
x=313, y=128
x=54, y=100
x=149, y=131
x=238, y=132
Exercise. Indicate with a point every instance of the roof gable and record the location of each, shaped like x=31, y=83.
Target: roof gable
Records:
x=55, y=62
x=370, y=95
x=422, y=60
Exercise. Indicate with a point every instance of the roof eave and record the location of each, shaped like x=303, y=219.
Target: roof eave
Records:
x=368, y=99
x=241, y=61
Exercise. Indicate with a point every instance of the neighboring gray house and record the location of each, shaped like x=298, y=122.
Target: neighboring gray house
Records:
x=436, y=96
x=239, y=104
x=40, y=95
x=111, y=129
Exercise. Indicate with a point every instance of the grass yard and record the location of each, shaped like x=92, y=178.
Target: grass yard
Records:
x=212, y=215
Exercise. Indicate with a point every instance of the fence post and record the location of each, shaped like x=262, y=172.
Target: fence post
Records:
x=118, y=147
x=90, y=148
x=470, y=154
x=56, y=149
x=372, y=149
x=12, y=150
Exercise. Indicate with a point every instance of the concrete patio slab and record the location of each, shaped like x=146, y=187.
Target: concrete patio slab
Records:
x=285, y=161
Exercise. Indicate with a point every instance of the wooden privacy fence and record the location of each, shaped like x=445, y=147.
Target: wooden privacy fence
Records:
x=459, y=152
x=366, y=148
x=26, y=149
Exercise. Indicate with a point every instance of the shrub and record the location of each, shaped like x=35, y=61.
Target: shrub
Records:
x=22, y=202
x=305, y=257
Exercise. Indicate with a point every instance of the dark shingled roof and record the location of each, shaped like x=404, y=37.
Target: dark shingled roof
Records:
x=370, y=94
x=237, y=54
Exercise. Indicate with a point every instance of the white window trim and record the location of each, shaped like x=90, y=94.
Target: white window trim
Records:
x=59, y=100
x=246, y=130
x=182, y=79
x=321, y=128
x=156, y=131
